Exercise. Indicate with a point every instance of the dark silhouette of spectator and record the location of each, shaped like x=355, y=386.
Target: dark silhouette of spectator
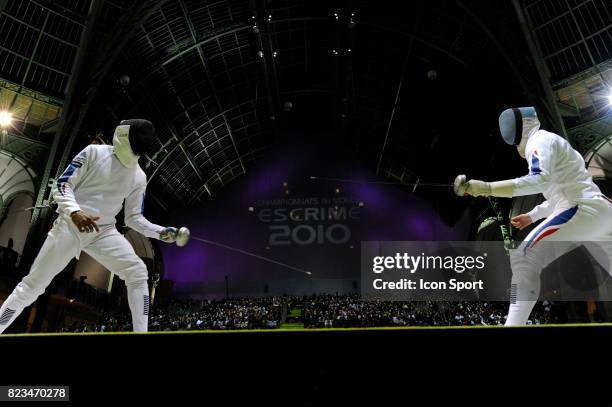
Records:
x=8, y=260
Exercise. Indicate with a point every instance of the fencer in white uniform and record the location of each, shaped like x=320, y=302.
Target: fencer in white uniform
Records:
x=575, y=209
x=89, y=194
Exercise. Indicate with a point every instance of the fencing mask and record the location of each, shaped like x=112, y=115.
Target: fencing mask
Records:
x=132, y=139
x=517, y=125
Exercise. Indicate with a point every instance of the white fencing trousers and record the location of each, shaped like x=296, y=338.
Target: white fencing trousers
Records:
x=564, y=230
x=65, y=242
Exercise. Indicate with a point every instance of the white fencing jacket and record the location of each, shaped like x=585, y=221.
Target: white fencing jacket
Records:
x=557, y=171
x=97, y=183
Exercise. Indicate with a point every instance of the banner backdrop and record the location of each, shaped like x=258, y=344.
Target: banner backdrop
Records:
x=276, y=210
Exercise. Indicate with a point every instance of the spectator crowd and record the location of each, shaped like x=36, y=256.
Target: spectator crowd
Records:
x=191, y=314
x=322, y=311
x=317, y=311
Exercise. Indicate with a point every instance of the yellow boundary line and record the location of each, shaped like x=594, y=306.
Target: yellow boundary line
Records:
x=273, y=330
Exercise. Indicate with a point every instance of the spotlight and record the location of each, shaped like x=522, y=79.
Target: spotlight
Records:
x=251, y=209
x=610, y=97
x=5, y=118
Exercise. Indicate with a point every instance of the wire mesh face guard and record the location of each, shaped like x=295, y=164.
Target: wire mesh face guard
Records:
x=512, y=123
x=141, y=135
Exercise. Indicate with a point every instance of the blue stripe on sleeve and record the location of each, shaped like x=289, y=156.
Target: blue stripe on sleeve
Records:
x=65, y=177
x=535, y=165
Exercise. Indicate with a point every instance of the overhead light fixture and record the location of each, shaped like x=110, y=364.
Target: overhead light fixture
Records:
x=5, y=118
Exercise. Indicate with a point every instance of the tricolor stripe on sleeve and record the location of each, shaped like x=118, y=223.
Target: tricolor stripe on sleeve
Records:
x=535, y=164
x=61, y=182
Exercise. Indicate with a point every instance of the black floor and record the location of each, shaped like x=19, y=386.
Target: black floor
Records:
x=508, y=366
